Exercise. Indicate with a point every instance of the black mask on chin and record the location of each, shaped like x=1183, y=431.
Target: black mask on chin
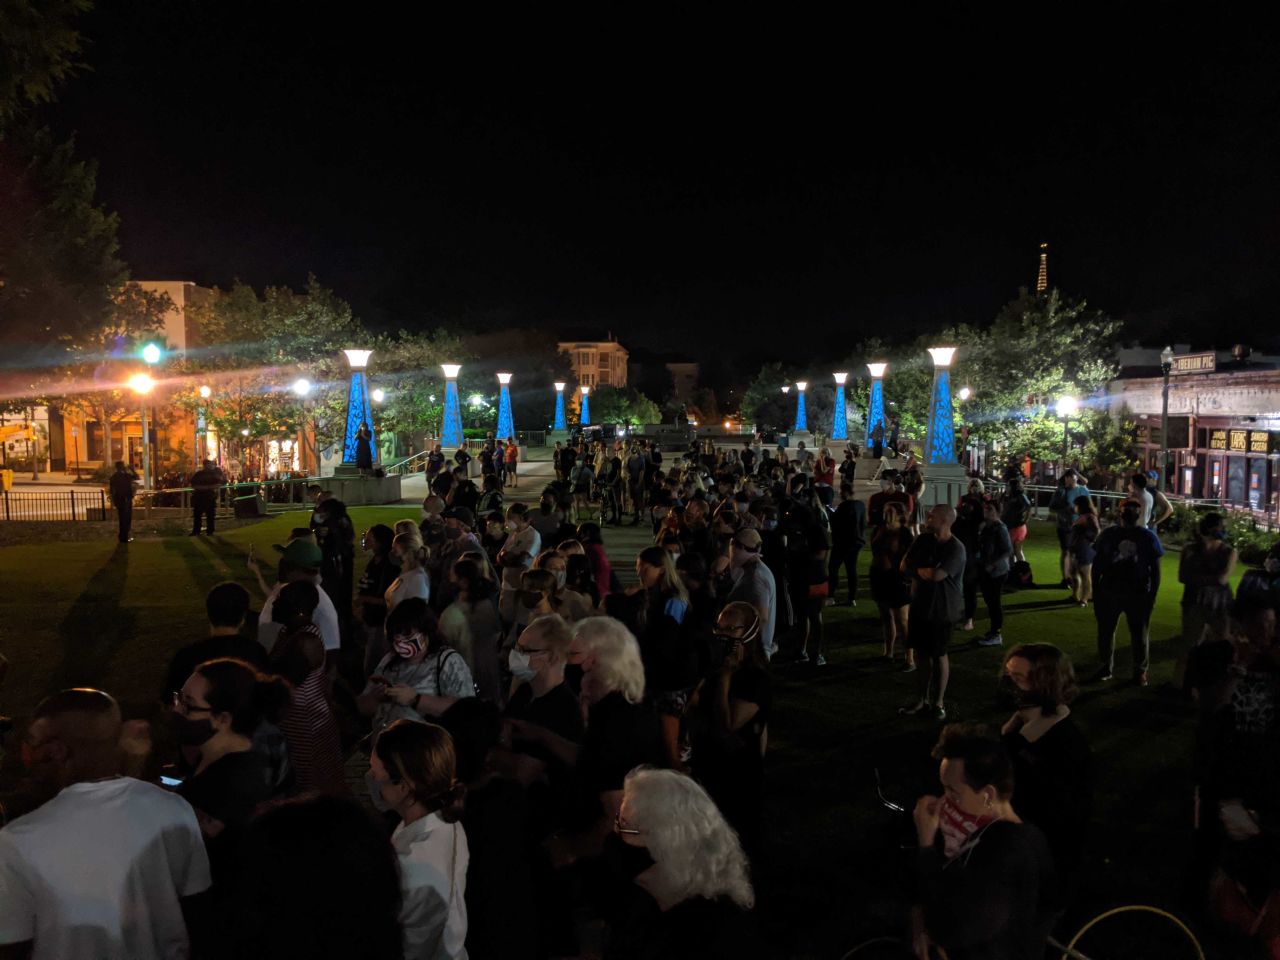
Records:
x=573, y=677
x=625, y=861
x=188, y=732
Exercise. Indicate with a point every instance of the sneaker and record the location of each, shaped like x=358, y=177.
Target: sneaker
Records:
x=939, y=713
x=1140, y=678
x=829, y=602
x=991, y=640
x=802, y=657
x=919, y=708
x=1102, y=676
x=909, y=668
x=967, y=625
x=820, y=661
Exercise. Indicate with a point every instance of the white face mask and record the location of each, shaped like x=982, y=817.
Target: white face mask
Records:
x=511, y=526
x=518, y=664
x=562, y=577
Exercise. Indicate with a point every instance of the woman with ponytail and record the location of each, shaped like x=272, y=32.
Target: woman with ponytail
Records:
x=410, y=554
x=413, y=771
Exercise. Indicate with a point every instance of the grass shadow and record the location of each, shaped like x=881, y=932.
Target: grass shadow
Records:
x=95, y=626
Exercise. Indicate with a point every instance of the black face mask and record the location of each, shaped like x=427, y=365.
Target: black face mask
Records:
x=573, y=676
x=625, y=861
x=188, y=732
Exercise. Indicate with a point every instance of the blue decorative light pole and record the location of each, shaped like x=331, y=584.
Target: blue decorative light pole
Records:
x=840, y=418
x=358, y=411
x=560, y=421
x=584, y=417
x=506, y=426
x=451, y=428
x=940, y=445
x=875, y=409
x=802, y=416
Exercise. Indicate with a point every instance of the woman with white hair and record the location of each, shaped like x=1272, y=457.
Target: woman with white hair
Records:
x=694, y=893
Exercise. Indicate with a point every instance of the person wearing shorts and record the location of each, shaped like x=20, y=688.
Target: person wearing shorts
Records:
x=1015, y=511
x=935, y=563
x=513, y=458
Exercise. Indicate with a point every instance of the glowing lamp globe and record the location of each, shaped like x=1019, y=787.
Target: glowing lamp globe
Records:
x=359, y=359
x=877, y=370
x=1068, y=406
x=151, y=353
x=451, y=370
x=141, y=384
x=205, y=393
x=942, y=355
x=301, y=386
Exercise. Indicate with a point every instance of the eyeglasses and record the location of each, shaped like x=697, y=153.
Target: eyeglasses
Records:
x=186, y=706
x=529, y=651
x=618, y=828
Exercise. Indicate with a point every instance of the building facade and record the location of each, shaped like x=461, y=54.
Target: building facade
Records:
x=597, y=363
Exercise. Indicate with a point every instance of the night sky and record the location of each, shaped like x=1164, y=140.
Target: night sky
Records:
x=748, y=189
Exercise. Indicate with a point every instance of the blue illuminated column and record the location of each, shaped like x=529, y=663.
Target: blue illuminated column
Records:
x=584, y=416
x=940, y=442
x=560, y=422
x=802, y=416
x=506, y=426
x=875, y=409
x=451, y=428
x=358, y=411
x=840, y=418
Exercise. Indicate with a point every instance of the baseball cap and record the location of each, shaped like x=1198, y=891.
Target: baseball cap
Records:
x=303, y=554
x=297, y=533
x=748, y=537
x=462, y=514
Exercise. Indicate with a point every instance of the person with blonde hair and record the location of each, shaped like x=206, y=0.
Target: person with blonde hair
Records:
x=677, y=848
x=539, y=694
x=413, y=771
x=410, y=555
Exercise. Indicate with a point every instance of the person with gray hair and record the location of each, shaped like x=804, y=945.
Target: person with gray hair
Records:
x=105, y=868
x=935, y=563
x=691, y=875
x=540, y=696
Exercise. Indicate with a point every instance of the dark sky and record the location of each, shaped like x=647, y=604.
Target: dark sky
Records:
x=759, y=189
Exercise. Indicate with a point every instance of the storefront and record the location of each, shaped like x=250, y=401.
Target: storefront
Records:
x=1224, y=432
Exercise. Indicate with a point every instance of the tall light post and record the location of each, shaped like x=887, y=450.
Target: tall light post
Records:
x=840, y=418
x=202, y=424
x=1166, y=367
x=1067, y=408
x=875, y=408
x=584, y=416
x=560, y=423
x=940, y=442
x=802, y=415
x=451, y=428
x=358, y=411
x=142, y=385
x=301, y=388
x=506, y=426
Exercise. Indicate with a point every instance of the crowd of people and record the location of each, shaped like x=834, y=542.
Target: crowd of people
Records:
x=563, y=766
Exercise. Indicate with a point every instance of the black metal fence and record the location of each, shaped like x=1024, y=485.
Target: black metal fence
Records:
x=65, y=505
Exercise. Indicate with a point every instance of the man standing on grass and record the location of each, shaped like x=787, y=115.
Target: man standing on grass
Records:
x=1126, y=579
x=935, y=562
x=121, y=489
x=1063, y=504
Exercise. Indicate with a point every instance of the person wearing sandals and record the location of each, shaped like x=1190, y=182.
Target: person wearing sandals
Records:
x=1080, y=551
x=935, y=564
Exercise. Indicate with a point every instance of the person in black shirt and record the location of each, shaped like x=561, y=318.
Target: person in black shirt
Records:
x=204, y=498
x=336, y=536
x=379, y=573
x=541, y=696
x=227, y=606
x=935, y=564
x=848, y=535
x=120, y=487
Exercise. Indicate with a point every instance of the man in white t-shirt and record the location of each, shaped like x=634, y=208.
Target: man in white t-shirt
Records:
x=103, y=870
x=1138, y=491
x=300, y=560
x=515, y=557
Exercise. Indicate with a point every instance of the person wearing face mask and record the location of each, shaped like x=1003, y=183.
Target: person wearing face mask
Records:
x=1126, y=580
x=539, y=694
x=459, y=522
x=410, y=555
x=1052, y=763
x=371, y=594
x=471, y=626
x=535, y=598
x=421, y=676
x=521, y=545
x=725, y=525
x=1261, y=584
x=216, y=714
x=547, y=520
x=1205, y=571
x=985, y=879
x=414, y=770
x=754, y=584
x=300, y=560
x=107, y=864
x=685, y=881
x=573, y=606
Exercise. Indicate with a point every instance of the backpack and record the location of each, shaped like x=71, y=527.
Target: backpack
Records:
x=1020, y=575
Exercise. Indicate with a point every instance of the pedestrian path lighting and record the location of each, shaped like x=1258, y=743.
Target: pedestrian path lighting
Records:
x=506, y=427
x=840, y=418
x=875, y=408
x=142, y=384
x=560, y=421
x=584, y=417
x=802, y=416
x=940, y=443
x=357, y=403
x=451, y=428
x=1166, y=367
x=965, y=394
x=1067, y=408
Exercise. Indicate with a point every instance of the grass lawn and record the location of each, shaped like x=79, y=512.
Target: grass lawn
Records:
x=87, y=613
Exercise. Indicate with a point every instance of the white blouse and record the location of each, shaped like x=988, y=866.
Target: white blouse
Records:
x=433, y=878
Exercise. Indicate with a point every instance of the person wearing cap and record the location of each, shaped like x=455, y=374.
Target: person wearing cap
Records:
x=754, y=584
x=300, y=560
x=1126, y=579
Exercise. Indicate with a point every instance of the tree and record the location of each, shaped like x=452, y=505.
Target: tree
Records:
x=39, y=49
x=623, y=405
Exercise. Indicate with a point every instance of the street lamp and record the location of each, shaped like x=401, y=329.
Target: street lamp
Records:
x=451, y=428
x=875, y=408
x=152, y=354
x=506, y=425
x=840, y=417
x=584, y=415
x=940, y=442
x=378, y=395
x=358, y=411
x=1067, y=408
x=965, y=394
x=802, y=415
x=560, y=423
x=202, y=425
x=1166, y=367
x=142, y=384
x=301, y=386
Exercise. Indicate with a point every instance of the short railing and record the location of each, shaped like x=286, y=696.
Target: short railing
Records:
x=54, y=506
